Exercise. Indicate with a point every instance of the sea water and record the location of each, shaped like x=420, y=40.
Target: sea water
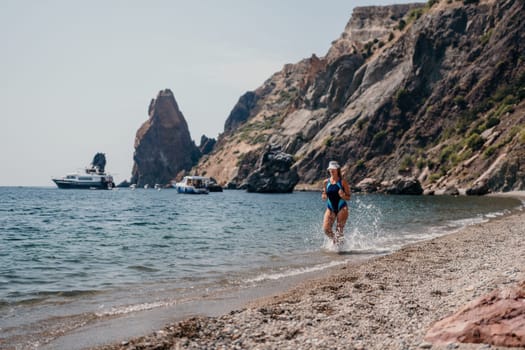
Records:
x=70, y=258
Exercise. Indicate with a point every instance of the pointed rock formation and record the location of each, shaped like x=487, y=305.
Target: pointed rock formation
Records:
x=163, y=145
x=206, y=145
x=241, y=111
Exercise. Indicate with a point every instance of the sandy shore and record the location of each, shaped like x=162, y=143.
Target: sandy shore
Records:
x=388, y=302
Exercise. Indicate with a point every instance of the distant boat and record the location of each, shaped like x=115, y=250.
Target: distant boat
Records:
x=85, y=181
x=192, y=185
x=94, y=177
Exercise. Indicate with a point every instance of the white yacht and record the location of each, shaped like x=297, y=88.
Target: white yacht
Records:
x=94, y=177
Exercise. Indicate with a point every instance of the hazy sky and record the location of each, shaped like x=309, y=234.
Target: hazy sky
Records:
x=77, y=77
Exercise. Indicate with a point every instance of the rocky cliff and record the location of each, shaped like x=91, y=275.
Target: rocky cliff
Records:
x=433, y=91
x=163, y=146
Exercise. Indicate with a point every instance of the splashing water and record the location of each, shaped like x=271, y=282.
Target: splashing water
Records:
x=362, y=234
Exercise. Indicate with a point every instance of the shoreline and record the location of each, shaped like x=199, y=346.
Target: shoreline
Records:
x=385, y=302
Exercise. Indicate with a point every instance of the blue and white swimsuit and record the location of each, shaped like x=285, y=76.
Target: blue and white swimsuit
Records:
x=335, y=203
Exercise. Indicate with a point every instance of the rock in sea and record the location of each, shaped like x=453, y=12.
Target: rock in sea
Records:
x=479, y=189
x=368, y=185
x=273, y=174
x=163, y=145
x=405, y=185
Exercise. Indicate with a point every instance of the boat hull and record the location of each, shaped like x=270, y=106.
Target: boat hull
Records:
x=82, y=185
x=214, y=188
x=191, y=190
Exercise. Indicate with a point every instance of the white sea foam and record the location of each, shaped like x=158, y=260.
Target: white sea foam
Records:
x=494, y=215
x=349, y=247
x=460, y=223
x=294, y=272
x=126, y=309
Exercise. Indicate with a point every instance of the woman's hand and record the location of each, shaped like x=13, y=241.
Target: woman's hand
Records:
x=345, y=192
x=323, y=195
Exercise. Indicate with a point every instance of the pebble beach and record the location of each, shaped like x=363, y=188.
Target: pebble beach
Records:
x=388, y=302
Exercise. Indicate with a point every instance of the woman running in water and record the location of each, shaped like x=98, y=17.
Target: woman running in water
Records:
x=335, y=192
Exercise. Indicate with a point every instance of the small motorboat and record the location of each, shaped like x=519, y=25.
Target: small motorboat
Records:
x=192, y=185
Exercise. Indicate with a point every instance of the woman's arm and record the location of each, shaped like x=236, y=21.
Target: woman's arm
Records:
x=347, y=194
x=323, y=191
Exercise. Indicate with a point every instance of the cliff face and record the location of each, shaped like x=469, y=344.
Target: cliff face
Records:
x=433, y=91
x=163, y=146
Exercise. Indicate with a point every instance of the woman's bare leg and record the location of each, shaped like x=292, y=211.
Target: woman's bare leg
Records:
x=328, y=222
x=342, y=216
